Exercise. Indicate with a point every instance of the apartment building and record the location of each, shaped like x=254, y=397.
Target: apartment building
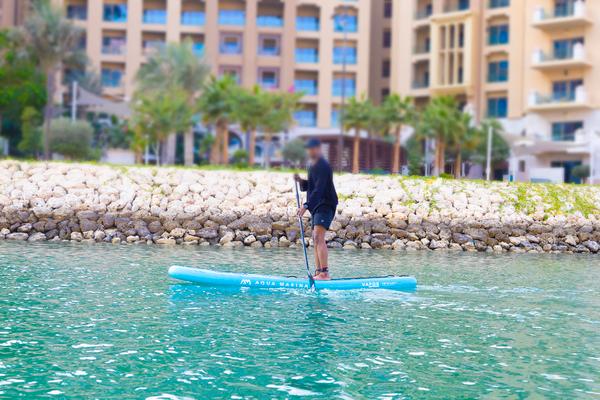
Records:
x=12, y=12
x=528, y=63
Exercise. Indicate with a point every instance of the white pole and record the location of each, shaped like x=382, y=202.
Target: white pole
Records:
x=74, y=102
x=593, y=158
x=488, y=166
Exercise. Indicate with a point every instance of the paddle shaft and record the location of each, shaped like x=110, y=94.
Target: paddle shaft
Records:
x=310, y=277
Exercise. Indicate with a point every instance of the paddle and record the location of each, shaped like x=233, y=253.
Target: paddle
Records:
x=310, y=277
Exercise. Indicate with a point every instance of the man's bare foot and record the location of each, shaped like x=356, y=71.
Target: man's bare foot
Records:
x=323, y=276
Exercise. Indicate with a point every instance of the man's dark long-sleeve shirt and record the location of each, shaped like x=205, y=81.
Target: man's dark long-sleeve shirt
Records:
x=319, y=186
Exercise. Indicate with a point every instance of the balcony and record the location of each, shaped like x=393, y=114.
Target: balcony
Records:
x=345, y=55
x=193, y=18
x=77, y=11
x=345, y=23
x=115, y=13
x=307, y=55
x=570, y=15
x=232, y=17
x=198, y=49
x=344, y=87
x=154, y=16
x=452, y=6
x=111, y=77
x=269, y=51
x=307, y=24
x=113, y=45
x=269, y=21
x=308, y=86
x=575, y=100
x=306, y=118
x=573, y=58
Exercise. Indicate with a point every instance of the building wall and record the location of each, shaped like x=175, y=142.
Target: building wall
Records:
x=12, y=12
x=248, y=63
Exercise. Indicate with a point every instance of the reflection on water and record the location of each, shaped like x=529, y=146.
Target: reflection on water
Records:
x=105, y=321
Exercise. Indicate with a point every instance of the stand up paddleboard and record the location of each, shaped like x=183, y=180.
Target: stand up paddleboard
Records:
x=213, y=278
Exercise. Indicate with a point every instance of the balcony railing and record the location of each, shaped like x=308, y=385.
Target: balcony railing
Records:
x=345, y=23
x=420, y=84
x=112, y=78
x=344, y=55
x=269, y=21
x=577, y=96
x=422, y=49
x=158, y=17
x=269, y=51
x=232, y=17
x=231, y=48
x=308, y=86
x=193, y=18
x=565, y=11
x=114, y=46
x=307, y=24
x=77, y=12
x=310, y=56
x=570, y=54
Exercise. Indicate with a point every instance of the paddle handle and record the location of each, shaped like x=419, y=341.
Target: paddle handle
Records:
x=310, y=277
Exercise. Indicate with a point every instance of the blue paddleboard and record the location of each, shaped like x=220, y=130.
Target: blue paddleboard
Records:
x=214, y=278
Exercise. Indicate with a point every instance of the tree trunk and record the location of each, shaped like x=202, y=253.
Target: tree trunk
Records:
x=216, y=146
x=369, y=152
x=50, y=77
x=157, y=153
x=458, y=163
x=252, y=148
x=439, y=157
x=225, y=144
x=188, y=147
x=355, y=153
x=170, y=149
x=267, y=139
x=396, y=163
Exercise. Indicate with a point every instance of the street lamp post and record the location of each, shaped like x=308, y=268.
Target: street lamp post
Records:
x=488, y=164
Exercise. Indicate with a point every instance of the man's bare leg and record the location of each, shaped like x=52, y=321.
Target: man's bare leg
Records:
x=321, y=251
x=317, y=260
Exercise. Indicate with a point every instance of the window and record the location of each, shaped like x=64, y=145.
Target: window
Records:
x=273, y=21
x=269, y=78
x=269, y=46
x=231, y=44
x=115, y=12
x=111, y=77
x=387, y=39
x=498, y=71
x=113, y=45
x=234, y=72
x=522, y=166
x=345, y=23
x=344, y=55
x=498, y=34
x=306, y=118
x=565, y=131
x=335, y=118
x=565, y=90
x=385, y=69
x=310, y=24
x=563, y=49
x=497, y=107
x=387, y=9
x=306, y=86
x=564, y=8
x=232, y=17
x=499, y=3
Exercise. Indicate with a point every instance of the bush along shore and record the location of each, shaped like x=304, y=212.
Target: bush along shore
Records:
x=168, y=206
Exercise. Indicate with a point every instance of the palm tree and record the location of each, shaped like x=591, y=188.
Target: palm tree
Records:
x=175, y=67
x=53, y=41
x=249, y=107
x=378, y=126
x=156, y=117
x=398, y=111
x=217, y=107
x=279, y=116
x=464, y=136
x=356, y=117
x=438, y=121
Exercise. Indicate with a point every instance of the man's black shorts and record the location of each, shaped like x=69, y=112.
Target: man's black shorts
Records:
x=323, y=217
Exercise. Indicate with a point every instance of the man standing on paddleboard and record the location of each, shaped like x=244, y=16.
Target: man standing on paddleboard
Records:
x=321, y=202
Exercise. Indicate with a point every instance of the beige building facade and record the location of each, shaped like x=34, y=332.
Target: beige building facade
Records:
x=12, y=12
x=528, y=63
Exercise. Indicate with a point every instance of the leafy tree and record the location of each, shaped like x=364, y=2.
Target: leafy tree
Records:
x=581, y=172
x=217, y=106
x=378, y=126
x=22, y=86
x=54, y=41
x=294, y=152
x=399, y=111
x=249, y=107
x=175, y=67
x=71, y=139
x=279, y=116
x=356, y=118
x=31, y=140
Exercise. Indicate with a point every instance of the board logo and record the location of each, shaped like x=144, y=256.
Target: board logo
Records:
x=245, y=282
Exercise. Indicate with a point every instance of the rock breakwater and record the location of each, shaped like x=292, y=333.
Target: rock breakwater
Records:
x=168, y=206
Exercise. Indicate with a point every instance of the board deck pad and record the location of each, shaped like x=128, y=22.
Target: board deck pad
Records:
x=214, y=278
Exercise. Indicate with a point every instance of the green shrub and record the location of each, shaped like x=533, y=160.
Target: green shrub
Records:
x=581, y=171
x=240, y=158
x=446, y=176
x=294, y=152
x=31, y=141
x=72, y=139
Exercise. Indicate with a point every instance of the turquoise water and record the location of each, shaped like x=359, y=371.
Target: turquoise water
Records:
x=104, y=321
